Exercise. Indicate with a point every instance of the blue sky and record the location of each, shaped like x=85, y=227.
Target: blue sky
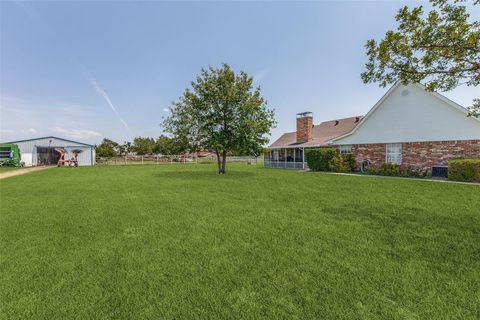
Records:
x=88, y=70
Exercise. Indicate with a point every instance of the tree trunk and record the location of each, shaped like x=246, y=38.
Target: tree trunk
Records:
x=224, y=161
x=219, y=162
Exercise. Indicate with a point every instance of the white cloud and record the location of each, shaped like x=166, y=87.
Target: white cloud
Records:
x=73, y=110
x=4, y=97
x=24, y=120
x=77, y=133
x=166, y=109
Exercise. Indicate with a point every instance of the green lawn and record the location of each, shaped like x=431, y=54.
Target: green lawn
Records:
x=181, y=242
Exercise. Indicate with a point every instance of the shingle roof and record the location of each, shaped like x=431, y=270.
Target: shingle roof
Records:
x=321, y=133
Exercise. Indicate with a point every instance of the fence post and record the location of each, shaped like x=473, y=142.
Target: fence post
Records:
x=142, y=159
x=125, y=159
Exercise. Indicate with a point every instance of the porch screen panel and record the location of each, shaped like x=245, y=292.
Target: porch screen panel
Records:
x=289, y=155
x=298, y=155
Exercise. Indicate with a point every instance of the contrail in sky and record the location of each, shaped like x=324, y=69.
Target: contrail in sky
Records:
x=260, y=75
x=105, y=96
x=34, y=15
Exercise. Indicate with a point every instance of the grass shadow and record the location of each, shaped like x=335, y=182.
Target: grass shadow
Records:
x=203, y=175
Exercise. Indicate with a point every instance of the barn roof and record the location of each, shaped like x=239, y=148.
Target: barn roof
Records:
x=51, y=137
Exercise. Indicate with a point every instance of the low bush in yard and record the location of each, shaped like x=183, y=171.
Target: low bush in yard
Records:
x=319, y=159
x=413, y=172
x=339, y=164
x=350, y=160
x=386, y=169
x=467, y=170
x=327, y=159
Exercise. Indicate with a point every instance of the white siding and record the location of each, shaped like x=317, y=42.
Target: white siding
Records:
x=410, y=114
x=84, y=158
x=26, y=158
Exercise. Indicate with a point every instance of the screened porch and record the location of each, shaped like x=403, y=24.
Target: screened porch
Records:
x=288, y=158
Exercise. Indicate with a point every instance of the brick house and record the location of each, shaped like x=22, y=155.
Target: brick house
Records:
x=408, y=126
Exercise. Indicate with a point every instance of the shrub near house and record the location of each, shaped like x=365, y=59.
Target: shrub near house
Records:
x=327, y=159
x=464, y=170
x=319, y=159
x=386, y=169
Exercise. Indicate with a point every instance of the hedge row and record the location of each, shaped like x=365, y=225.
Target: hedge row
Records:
x=327, y=159
x=467, y=170
x=386, y=169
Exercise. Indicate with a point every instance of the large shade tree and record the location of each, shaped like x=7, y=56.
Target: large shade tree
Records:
x=222, y=111
x=440, y=49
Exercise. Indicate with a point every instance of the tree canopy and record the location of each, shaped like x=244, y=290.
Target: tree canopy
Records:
x=222, y=111
x=143, y=146
x=125, y=148
x=107, y=149
x=170, y=146
x=440, y=49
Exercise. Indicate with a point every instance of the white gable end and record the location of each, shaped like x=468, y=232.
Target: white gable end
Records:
x=411, y=114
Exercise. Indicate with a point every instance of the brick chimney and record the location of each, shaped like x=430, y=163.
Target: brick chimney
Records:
x=304, y=127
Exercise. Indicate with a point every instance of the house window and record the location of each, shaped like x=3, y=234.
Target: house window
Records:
x=347, y=149
x=394, y=153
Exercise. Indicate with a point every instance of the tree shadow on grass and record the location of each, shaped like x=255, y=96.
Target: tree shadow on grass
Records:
x=204, y=175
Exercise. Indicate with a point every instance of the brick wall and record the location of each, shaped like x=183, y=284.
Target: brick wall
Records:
x=419, y=154
x=304, y=129
x=426, y=154
x=373, y=152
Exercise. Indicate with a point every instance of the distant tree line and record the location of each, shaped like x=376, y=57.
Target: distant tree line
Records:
x=141, y=146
